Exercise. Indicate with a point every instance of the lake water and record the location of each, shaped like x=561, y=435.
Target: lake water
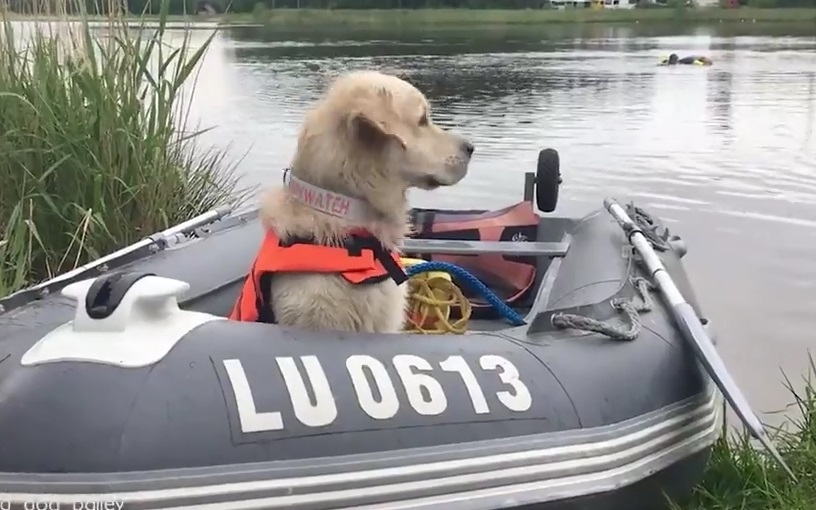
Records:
x=726, y=154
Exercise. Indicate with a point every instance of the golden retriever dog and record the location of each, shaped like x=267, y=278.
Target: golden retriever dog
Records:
x=370, y=137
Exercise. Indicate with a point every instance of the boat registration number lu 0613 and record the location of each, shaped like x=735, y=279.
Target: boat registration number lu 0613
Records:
x=374, y=389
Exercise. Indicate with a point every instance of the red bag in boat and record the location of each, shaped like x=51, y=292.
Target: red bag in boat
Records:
x=508, y=276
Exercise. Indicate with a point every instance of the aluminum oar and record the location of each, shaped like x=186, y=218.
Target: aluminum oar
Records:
x=694, y=332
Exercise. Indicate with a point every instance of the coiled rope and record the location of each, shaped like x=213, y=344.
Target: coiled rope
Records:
x=623, y=305
x=430, y=301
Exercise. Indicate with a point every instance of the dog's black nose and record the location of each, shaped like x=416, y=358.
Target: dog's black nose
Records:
x=468, y=147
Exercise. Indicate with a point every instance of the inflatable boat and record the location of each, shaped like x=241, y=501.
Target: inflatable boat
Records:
x=123, y=385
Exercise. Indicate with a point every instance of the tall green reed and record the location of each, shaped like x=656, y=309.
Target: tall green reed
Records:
x=95, y=150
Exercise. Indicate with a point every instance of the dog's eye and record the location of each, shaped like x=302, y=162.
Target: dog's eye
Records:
x=424, y=121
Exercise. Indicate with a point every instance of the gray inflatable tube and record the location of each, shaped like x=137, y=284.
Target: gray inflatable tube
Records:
x=159, y=402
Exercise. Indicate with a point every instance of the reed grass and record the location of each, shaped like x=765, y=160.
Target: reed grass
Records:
x=95, y=148
x=741, y=476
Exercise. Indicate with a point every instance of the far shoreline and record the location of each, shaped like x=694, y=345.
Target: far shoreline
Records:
x=325, y=18
x=441, y=17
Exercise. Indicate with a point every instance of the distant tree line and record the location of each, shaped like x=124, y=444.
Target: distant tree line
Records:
x=248, y=5
x=241, y=6
x=191, y=6
x=406, y=4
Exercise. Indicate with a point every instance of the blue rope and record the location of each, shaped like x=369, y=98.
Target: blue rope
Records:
x=474, y=284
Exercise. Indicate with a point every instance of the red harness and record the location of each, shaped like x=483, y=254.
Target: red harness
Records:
x=361, y=259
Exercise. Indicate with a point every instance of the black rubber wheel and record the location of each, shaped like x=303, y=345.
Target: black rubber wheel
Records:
x=548, y=179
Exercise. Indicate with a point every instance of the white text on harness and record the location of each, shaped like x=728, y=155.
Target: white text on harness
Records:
x=322, y=200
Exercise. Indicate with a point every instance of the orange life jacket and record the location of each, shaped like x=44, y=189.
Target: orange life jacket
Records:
x=362, y=260
x=511, y=277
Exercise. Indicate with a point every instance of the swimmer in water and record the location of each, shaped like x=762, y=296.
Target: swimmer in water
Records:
x=697, y=60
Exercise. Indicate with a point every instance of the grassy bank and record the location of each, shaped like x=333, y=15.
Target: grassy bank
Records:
x=95, y=152
x=438, y=17
x=741, y=476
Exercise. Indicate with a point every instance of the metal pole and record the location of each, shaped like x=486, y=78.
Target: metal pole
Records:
x=694, y=332
x=182, y=228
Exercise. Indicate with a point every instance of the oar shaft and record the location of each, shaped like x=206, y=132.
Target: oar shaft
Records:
x=182, y=228
x=692, y=330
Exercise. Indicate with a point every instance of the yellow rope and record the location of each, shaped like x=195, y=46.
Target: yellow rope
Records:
x=431, y=298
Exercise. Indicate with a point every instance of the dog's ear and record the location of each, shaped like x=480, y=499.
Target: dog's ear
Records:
x=375, y=122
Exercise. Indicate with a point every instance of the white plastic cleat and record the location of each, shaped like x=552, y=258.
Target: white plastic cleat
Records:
x=128, y=320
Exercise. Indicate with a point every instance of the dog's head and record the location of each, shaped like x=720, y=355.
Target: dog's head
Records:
x=372, y=136
x=390, y=120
